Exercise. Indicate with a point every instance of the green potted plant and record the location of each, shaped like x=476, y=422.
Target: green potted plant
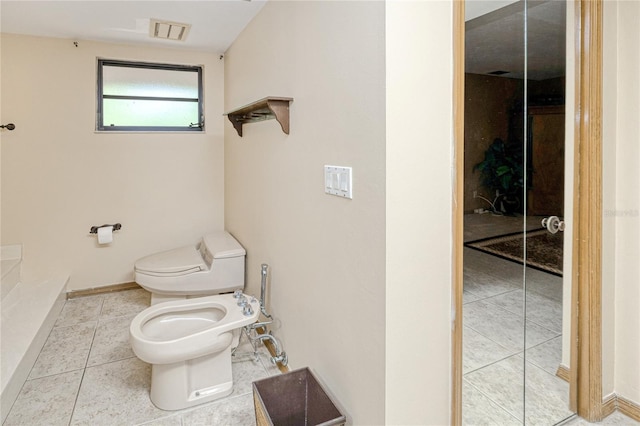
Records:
x=502, y=172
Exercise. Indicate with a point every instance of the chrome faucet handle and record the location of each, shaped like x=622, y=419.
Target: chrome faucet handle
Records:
x=237, y=294
x=247, y=310
x=242, y=301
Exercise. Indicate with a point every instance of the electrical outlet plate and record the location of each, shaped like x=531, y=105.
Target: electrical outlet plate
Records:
x=338, y=181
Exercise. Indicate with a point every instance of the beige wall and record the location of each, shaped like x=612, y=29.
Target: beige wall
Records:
x=359, y=286
x=60, y=177
x=326, y=254
x=622, y=109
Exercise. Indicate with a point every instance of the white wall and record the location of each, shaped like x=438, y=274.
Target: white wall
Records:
x=60, y=177
x=609, y=143
x=326, y=254
x=419, y=178
x=626, y=212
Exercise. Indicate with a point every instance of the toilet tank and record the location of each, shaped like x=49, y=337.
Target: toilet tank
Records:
x=225, y=257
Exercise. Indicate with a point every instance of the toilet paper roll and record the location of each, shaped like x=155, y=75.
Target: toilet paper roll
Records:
x=105, y=235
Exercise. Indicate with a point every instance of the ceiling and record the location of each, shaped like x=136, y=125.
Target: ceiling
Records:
x=494, y=28
x=494, y=41
x=215, y=24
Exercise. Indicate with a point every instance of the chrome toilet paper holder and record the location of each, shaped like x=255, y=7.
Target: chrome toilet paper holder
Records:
x=94, y=229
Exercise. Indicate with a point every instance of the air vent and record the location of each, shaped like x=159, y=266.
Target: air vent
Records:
x=168, y=30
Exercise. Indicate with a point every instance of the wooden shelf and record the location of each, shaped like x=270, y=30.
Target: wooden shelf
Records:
x=264, y=109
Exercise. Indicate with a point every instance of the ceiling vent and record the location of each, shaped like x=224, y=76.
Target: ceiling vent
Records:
x=168, y=30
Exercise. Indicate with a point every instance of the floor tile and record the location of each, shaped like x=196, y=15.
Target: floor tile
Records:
x=46, y=401
x=236, y=411
x=614, y=419
x=123, y=303
x=479, y=351
x=542, y=396
x=79, y=310
x=544, y=311
x=111, y=341
x=66, y=349
x=503, y=327
x=108, y=384
x=544, y=284
x=468, y=297
x=244, y=373
x=172, y=420
x=547, y=355
x=479, y=410
x=483, y=285
x=116, y=393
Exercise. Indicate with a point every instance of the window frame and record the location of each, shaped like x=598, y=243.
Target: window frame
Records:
x=101, y=127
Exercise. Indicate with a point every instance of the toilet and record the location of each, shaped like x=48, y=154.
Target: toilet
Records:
x=188, y=344
x=215, y=265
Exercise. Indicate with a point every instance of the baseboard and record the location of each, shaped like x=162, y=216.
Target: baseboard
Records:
x=629, y=408
x=563, y=373
x=615, y=402
x=609, y=405
x=101, y=290
x=611, y=402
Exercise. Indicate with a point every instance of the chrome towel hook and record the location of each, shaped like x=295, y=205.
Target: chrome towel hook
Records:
x=9, y=126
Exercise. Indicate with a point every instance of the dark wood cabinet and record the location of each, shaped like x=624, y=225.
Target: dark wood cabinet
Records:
x=545, y=148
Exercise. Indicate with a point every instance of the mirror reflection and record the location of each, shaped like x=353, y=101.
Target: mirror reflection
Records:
x=515, y=349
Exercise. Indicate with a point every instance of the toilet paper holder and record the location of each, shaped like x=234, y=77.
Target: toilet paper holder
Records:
x=94, y=229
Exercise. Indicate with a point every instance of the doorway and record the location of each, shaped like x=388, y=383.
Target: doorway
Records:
x=584, y=329
x=514, y=175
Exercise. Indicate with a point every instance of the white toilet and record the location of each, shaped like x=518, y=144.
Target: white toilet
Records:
x=188, y=344
x=213, y=266
x=188, y=332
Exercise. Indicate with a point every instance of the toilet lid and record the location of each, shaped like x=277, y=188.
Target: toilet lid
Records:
x=180, y=261
x=222, y=245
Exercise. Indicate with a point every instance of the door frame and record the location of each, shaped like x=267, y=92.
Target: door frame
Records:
x=585, y=370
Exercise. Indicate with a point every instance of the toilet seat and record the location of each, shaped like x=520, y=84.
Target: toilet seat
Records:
x=215, y=265
x=180, y=261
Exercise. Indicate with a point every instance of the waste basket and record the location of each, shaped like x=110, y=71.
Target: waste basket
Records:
x=294, y=399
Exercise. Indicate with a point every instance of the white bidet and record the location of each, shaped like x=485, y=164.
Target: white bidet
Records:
x=188, y=344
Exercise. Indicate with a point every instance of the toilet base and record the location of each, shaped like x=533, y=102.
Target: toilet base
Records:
x=193, y=382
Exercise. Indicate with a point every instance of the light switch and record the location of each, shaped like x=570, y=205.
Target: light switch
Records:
x=338, y=181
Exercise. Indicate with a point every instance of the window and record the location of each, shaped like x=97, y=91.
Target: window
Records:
x=136, y=96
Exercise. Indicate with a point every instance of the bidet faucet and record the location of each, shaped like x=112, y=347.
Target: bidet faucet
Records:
x=263, y=286
x=263, y=282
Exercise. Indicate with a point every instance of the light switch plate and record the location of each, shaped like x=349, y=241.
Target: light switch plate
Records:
x=338, y=181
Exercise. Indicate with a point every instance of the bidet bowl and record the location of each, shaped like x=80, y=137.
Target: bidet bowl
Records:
x=180, y=330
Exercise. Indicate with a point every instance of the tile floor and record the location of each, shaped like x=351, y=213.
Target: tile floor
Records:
x=86, y=373
x=494, y=361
